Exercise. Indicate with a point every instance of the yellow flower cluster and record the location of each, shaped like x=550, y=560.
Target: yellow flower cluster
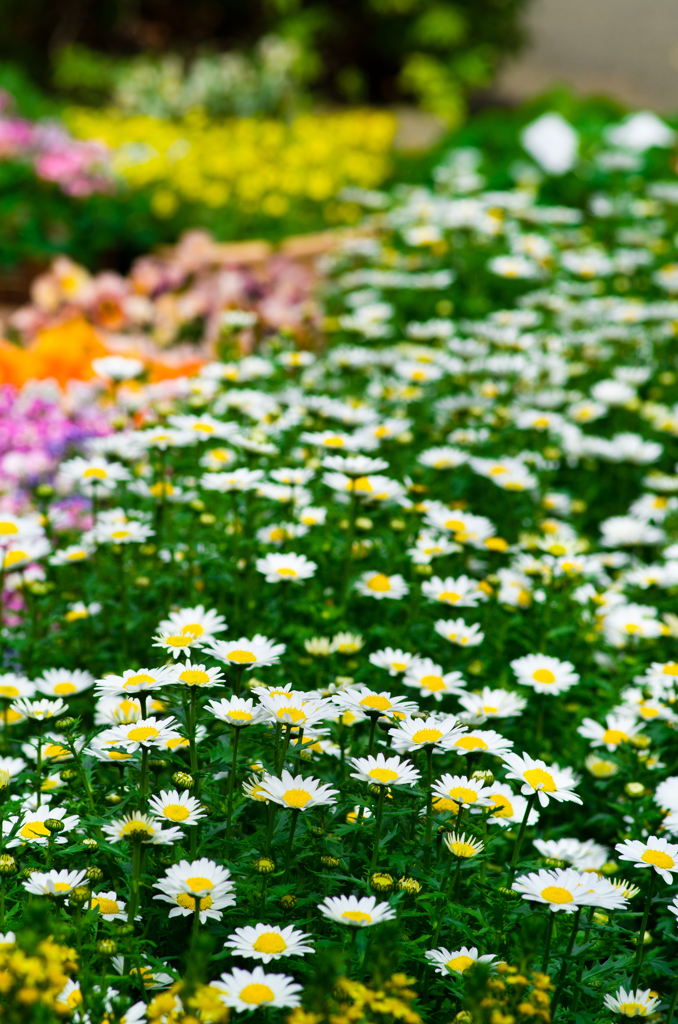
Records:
x=28, y=979
x=513, y=998
x=204, y=1007
x=355, y=1003
x=260, y=165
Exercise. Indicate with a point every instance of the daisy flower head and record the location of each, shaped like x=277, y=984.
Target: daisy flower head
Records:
x=236, y=711
x=32, y=828
x=63, y=682
x=54, y=883
x=618, y=728
x=143, y=828
x=297, y=793
x=508, y=808
x=462, y=592
x=544, y=673
x=146, y=732
x=634, y=1003
x=481, y=741
x=196, y=621
x=133, y=681
x=567, y=889
x=654, y=852
x=268, y=942
x=94, y=475
x=586, y=856
x=347, y=643
x=195, y=676
x=13, y=685
x=176, y=644
x=130, y=532
x=354, y=465
x=259, y=651
x=357, y=912
x=427, y=677
x=393, y=660
x=286, y=568
x=489, y=703
x=39, y=710
x=109, y=906
x=462, y=846
x=462, y=791
x=547, y=781
x=200, y=885
x=600, y=767
x=458, y=961
x=179, y=808
x=293, y=710
x=370, y=702
x=379, y=586
x=384, y=771
x=665, y=795
x=459, y=633
x=434, y=731
x=248, y=990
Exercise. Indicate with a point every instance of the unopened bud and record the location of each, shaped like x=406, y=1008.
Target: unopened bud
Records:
x=94, y=874
x=54, y=825
x=463, y=1017
x=288, y=901
x=68, y=774
x=317, y=830
x=511, y=893
x=183, y=780
x=80, y=895
x=8, y=865
x=64, y=724
x=381, y=881
x=90, y=844
x=635, y=790
x=107, y=947
x=112, y=798
x=409, y=885
x=485, y=776
x=600, y=918
x=264, y=865
x=328, y=861
x=554, y=862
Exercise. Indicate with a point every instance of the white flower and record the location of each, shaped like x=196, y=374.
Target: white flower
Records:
x=665, y=795
x=285, y=568
x=458, y=632
x=248, y=990
x=384, y=771
x=566, y=889
x=457, y=961
x=652, y=853
x=366, y=701
x=481, y=741
x=296, y=792
x=176, y=644
x=268, y=942
x=508, y=807
x=54, y=883
x=13, y=685
x=236, y=711
x=394, y=660
x=356, y=912
x=179, y=808
x=63, y=682
x=489, y=703
x=39, y=710
x=547, y=781
x=32, y=828
x=117, y=368
x=259, y=651
x=435, y=731
x=638, y=1003
x=147, y=732
x=194, y=675
x=618, y=728
x=462, y=592
x=94, y=475
x=141, y=827
x=464, y=792
x=132, y=682
x=199, y=885
x=545, y=674
x=109, y=906
x=552, y=142
x=196, y=621
x=639, y=132
x=427, y=677
x=379, y=585
x=586, y=856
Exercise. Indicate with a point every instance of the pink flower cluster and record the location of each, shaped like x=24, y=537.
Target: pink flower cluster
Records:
x=78, y=167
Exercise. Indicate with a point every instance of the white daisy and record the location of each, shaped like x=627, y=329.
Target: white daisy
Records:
x=133, y=681
x=464, y=792
x=544, y=673
x=197, y=621
x=384, y=771
x=393, y=660
x=357, y=912
x=54, y=883
x=618, y=728
x=462, y=592
x=109, y=906
x=652, y=853
x=194, y=675
x=259, y=651
x=489, y=703
x=367, y=701
x=427, y=677
x=634, y=1003
x=236, y=711
x=547, y=781
x=434, y=731
x=380, y=586
x=458, y=632
x=457, y=961
x=63, y=682
x=268, y=942
x=586, y=856
x=508, y=807
x=143, y=828
x=567, y=889
x=296, y=792
x=248, y=990
x=286, y=568
x=179, y=808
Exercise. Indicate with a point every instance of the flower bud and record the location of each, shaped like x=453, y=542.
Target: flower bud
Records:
x=54, y=825
x=328, y=861
x=183, y=780
x=600, y=918
x=554, y=862
x=317, y=830
x=409, y=885
x=69, y=774
x=80, y=895
x=107, y=947
x=94, y=874
x=112, y=798
x=90, y=844
x=125, y=928
x=156, y=764
x=381, y=881
x=64, y=724
x=511, y=893
x=8, y=865
x=264, y=865
x=635, y=790
x=288, y=901
x=463, y=1017
x=483, y=775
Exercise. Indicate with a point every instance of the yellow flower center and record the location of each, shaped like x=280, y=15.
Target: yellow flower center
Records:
x=539, y=779
x=456, y=524
x=135, y=826
x=105, y=906
x=9, y=691
x=466, y=796
x=633, y=1009
x=670, y=669
x=463, y=849
x=432, y=683
x=502, y=806
x=193, y=629
x=76, y=556
x=490, y=710
x=206, y=428
x=449, y=596
x=65, y=688
x=7, y=528
x=257, y=994
x=658, y=858
x=459, y=963
x=137, y=680
x=361, y=483
x=175, y=812
x=143, y=733
x=118, y=755
x=182, y=640
x=33, y=830
x=556, y=894
x=270, y=942
x=61, y=887
x=286, y=572
x=376, y=701
x=384, y=775
x=12, y=557
x=296, y=797
x=293, y=715
x=399, y=666
x=55, y=750
x=357, y=915
x=544, y=675
x=97, y=472
x=379, y=583
x=190, y=902
x=614, y=736
x=471, y=743
x=197, y=883
x=427, y=736
x=242, y=657
x=194, y=677
x=334, y=442
x=241, y=716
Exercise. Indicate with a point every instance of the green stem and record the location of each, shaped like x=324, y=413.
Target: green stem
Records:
x=133, y=905
x=285, y=745
x=290, y=838
x=373, y=730
x=272, y=809
x=38, y=768
x=377, y=833
x=238, y=680
x=350, y=534
x=444, y=890
x=640, y=948
x=457, y=881
x=192, y=717
x=143, y=787
x=429, y=807
x=231, y=782
x=565, y=964
x=672, y=1007
x=196, y=922
x=547, y=947
x=519, y=841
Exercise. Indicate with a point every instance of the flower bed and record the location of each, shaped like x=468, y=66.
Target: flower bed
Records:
x=359, y=662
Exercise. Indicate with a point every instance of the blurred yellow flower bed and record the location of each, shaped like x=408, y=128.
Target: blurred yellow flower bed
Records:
x=266, y=165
